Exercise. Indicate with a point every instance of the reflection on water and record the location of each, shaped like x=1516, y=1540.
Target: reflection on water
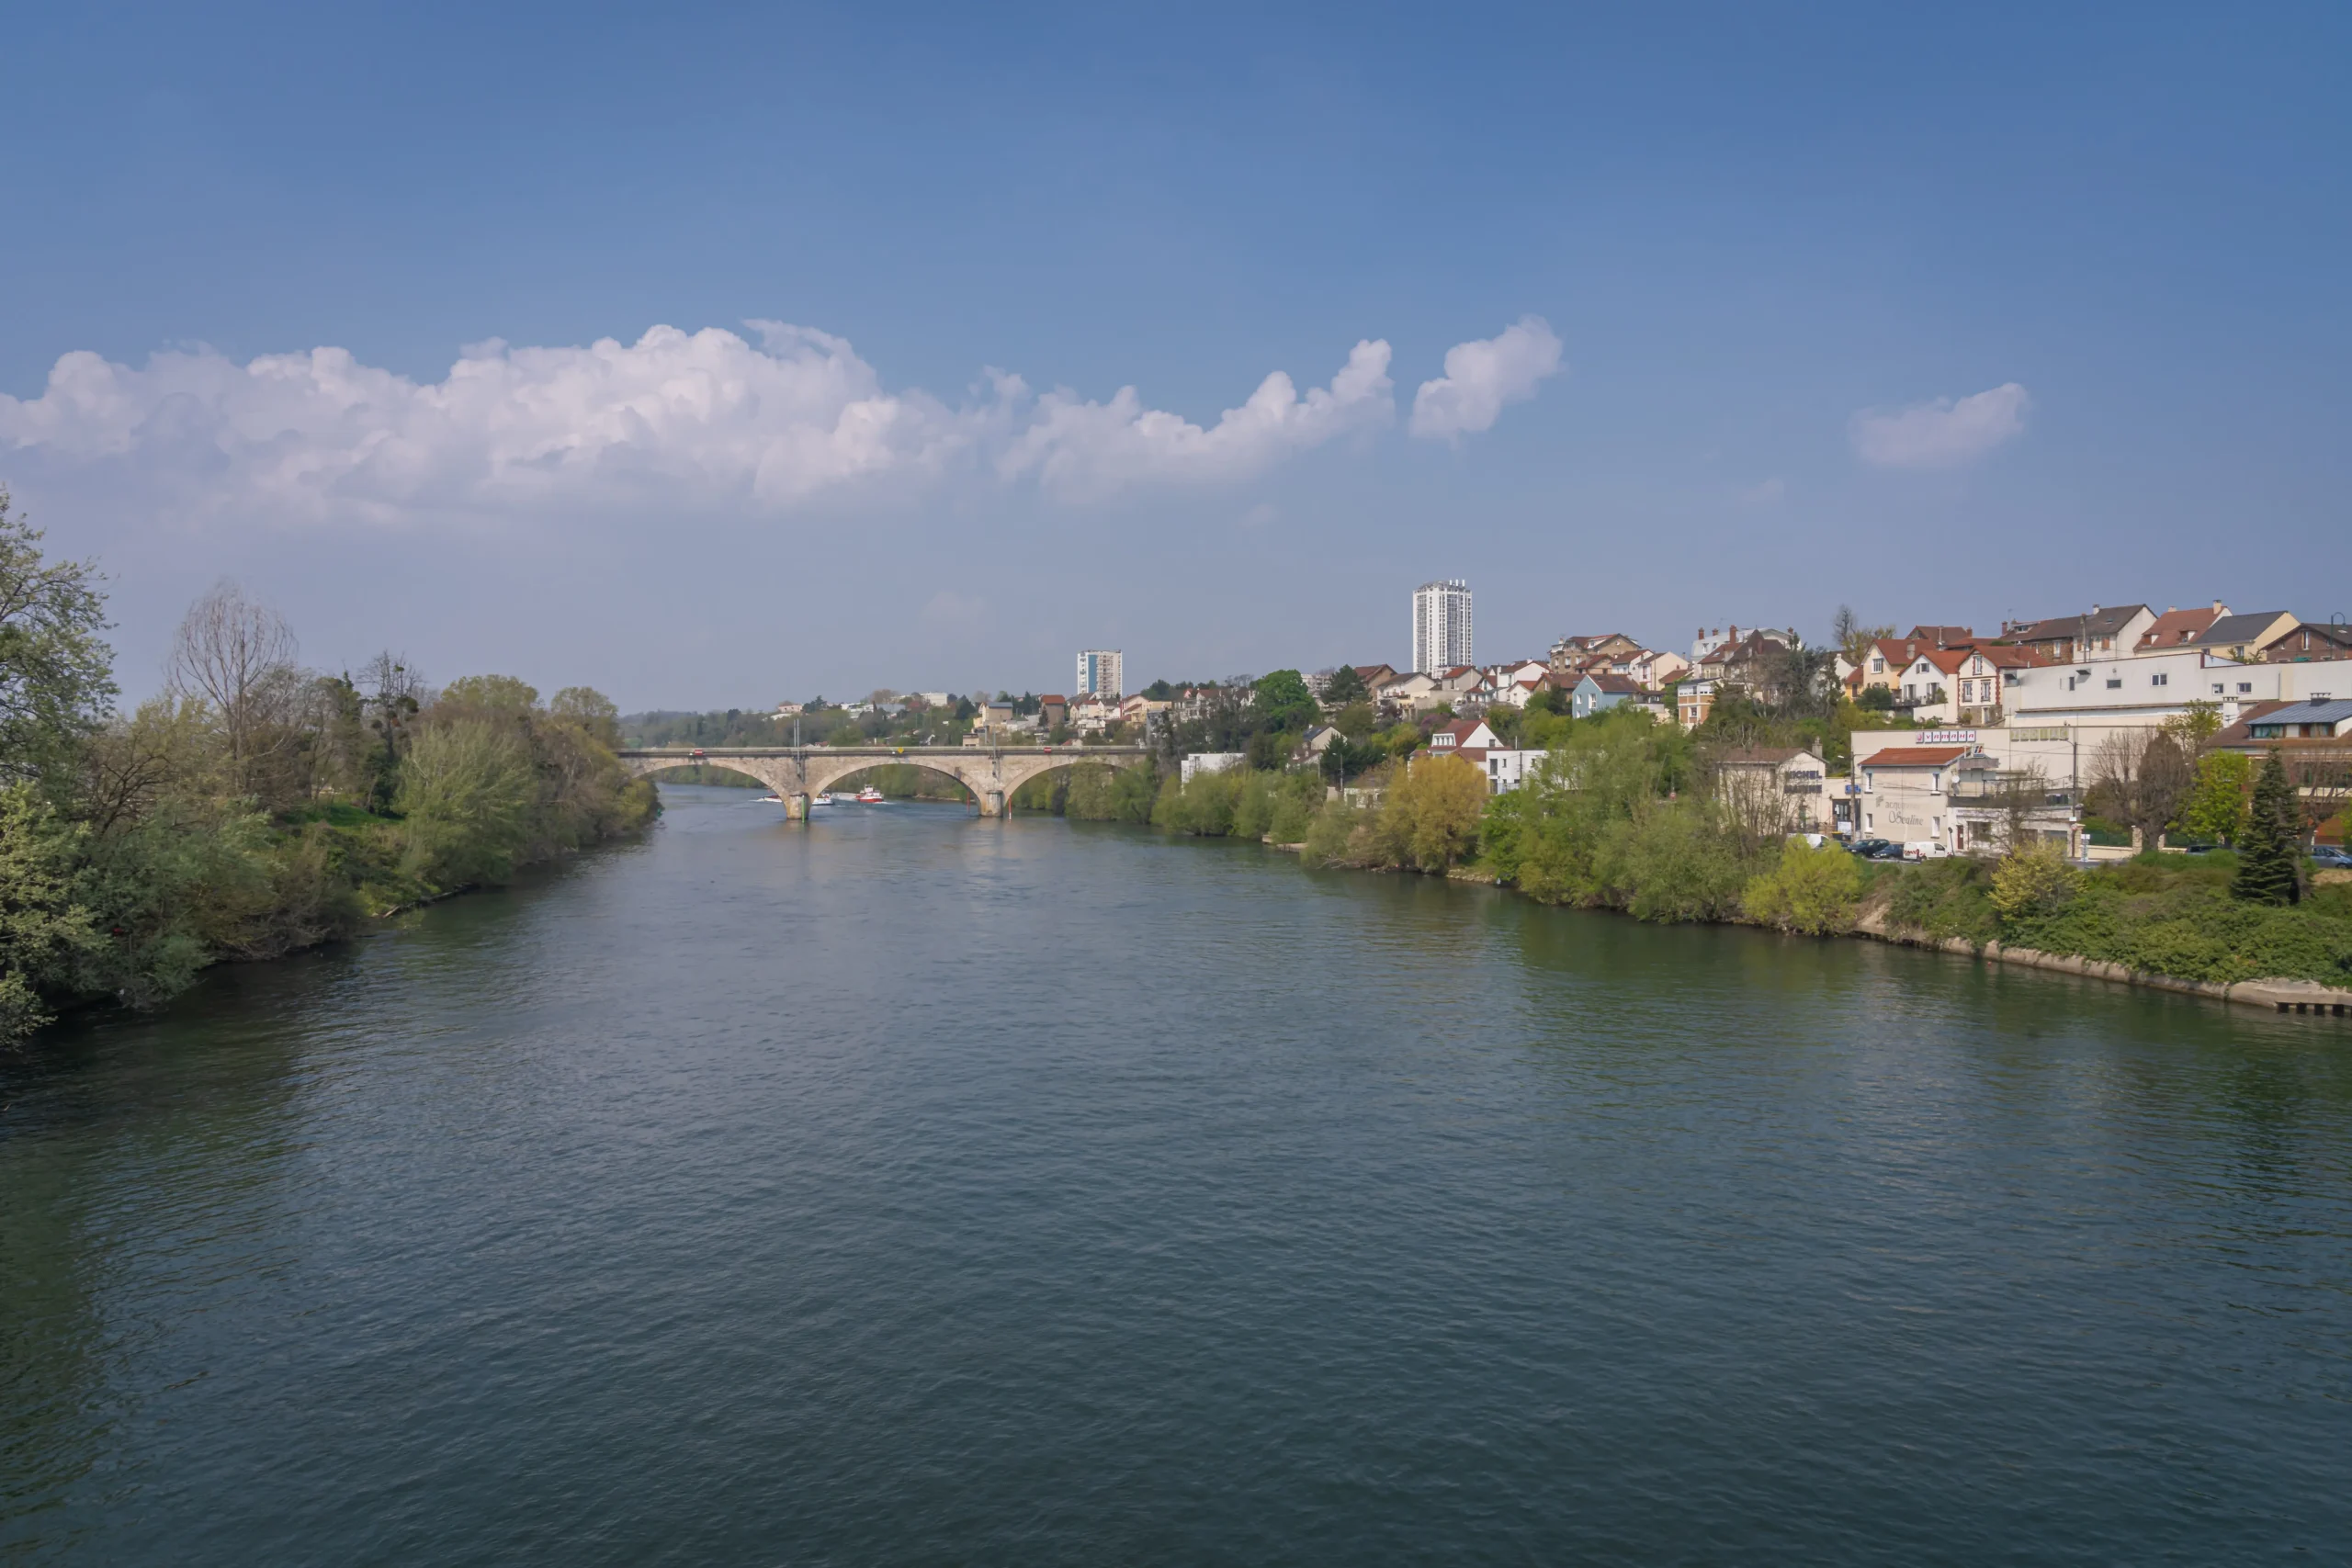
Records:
x=913, y=1188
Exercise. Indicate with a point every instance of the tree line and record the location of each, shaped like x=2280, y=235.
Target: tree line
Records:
x=253, y=807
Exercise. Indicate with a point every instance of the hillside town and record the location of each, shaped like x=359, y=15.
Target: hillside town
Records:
x=1931, y=741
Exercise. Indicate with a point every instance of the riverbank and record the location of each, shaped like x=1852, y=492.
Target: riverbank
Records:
x=2165, y=923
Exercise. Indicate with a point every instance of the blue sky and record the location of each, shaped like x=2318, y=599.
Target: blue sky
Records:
x=1946, y=316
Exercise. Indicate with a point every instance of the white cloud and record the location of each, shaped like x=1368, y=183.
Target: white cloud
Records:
x=1081, y=449
x=1483, y=375
x=705, y=417
x=1939, y=434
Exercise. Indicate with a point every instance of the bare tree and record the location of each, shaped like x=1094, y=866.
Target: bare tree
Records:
x=2139, y=777
x=2019, y=795
x=237, y=657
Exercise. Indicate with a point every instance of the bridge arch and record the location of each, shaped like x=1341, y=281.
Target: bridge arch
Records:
x=991, y=773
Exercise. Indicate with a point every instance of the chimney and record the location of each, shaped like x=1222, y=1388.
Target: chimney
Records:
x=2218, y=609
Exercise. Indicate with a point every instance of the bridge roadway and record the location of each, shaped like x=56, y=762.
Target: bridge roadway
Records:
x=797, y=774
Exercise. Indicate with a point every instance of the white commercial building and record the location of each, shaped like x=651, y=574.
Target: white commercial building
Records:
x=1102, y=673
x=1440, y=625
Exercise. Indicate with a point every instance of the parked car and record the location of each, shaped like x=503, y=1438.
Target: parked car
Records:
x=2332, y=857
x=1876, y=849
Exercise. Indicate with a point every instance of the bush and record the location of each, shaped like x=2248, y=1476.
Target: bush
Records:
x=1812, y=890
x=2033, y=880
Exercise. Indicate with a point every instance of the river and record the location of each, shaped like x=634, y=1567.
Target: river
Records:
x=911, y=1189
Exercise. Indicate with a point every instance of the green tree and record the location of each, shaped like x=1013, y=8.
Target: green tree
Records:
x=2215, y=810
x=1345, y=686
x=1284, y=702
x=466, y=791
x=56, y=680
x=592, y=711
x=2268, y=862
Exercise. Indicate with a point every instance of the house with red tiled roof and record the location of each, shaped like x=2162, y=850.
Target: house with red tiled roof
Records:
x=2177, y=629
x=1464, y=736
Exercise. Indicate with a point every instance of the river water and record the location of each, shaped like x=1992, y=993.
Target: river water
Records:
x=911, y=1189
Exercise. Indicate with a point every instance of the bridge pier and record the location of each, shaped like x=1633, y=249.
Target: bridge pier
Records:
x=796, y=807
x=991, y=802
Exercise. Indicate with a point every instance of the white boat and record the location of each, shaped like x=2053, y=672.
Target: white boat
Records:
x=826, y=797
x=771, y=800
x=869, y=796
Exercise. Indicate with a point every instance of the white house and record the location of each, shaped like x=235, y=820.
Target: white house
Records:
x=1463, y=735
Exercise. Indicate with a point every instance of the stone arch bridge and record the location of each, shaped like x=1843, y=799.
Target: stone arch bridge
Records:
x=800, y=774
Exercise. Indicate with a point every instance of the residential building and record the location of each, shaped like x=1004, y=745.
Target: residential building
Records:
x=1782, y=788
x=1102, y=673
x=1596, y=692
x=1441, y=625
x=1655, y=671
x=1146, y=713
x=2244, y=638
x=1961, y=685
x=1413, y=693
x=1507, y=768
x=2314, y=740
x=1053, y=713
x=2065, y=640
x=1694, y=699
x=1709, y=641
x=1374, y=676
x=1463, y=734
x=787, y=710
x=2310, y=644
x=1943, y=636
x=1574, y=652
x=992, y=725
x=1092, y=716
x=2177, y=629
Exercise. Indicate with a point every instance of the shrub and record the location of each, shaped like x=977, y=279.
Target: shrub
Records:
x=1812, y=890
x=2033, y=880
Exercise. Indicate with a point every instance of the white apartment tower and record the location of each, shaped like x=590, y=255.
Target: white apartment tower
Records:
x=1440, y=625
x=1100, y=673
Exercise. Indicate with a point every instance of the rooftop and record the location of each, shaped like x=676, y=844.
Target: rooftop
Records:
x=1916, y=757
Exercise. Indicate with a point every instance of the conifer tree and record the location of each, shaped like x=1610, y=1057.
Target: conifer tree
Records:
x=2268, y=873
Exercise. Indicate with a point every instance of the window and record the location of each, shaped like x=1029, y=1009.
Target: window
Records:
x=2115, y=682
x=1878, y=666
x=1935, y=783
x=2217, y=688
x=1869, y=821
x=2245, y=685
x=2159, y=680
x=1870, y=783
